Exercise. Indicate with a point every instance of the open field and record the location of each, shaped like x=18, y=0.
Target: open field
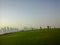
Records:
x=32, y=37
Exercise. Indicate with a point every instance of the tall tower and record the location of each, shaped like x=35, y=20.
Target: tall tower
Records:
x=8, y=29
x=4, y=30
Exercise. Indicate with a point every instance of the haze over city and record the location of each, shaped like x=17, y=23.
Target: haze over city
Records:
x=29, y=13
x=29, y=22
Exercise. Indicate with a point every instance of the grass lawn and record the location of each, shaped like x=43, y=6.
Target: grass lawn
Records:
x=32, y=37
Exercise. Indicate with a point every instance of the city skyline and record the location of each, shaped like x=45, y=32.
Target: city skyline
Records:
x=29, y=13
x=8, y=30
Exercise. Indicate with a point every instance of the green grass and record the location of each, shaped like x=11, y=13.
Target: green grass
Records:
x=32, y=37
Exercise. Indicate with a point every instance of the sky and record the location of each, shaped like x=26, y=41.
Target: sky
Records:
x=29, y=13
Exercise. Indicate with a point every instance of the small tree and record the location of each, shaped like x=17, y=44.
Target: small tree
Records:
x=32, y=28
x=40, y=27
x=48, y=27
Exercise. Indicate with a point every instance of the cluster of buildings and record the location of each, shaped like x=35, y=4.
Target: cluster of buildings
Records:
x=8, y=30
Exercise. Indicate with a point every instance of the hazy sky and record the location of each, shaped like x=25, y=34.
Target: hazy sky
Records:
x=29, y=13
